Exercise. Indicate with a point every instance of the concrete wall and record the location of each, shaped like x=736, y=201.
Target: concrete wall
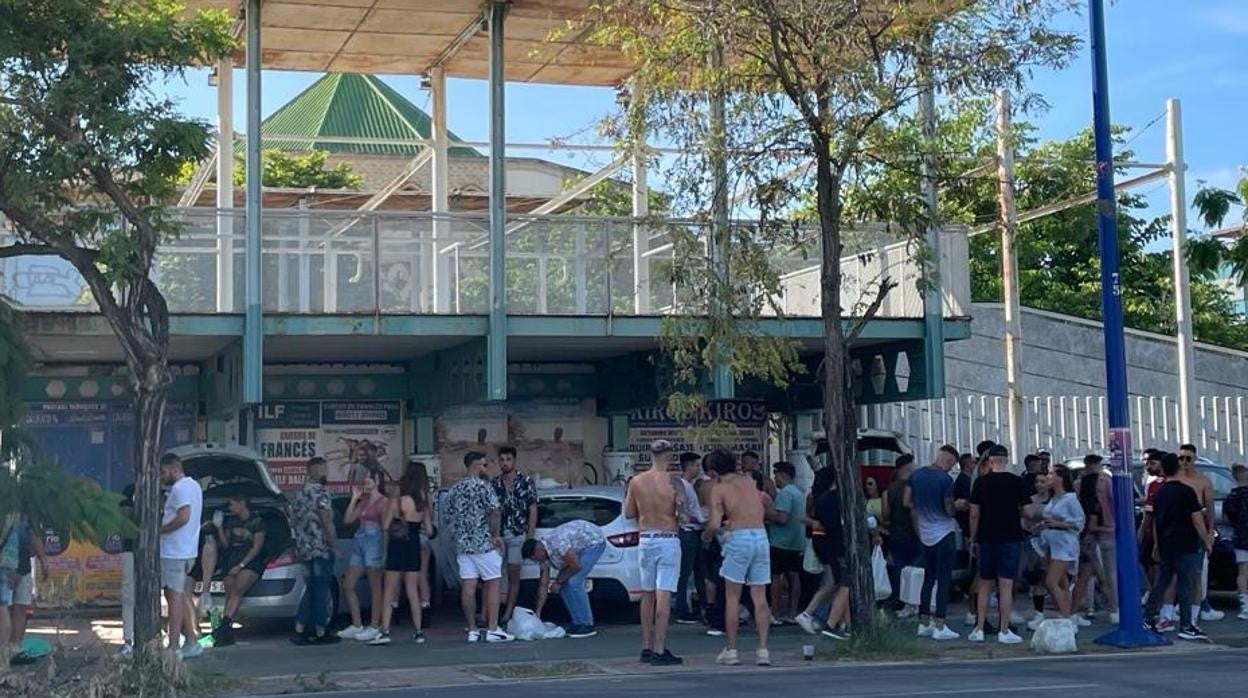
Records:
x=1065, y=356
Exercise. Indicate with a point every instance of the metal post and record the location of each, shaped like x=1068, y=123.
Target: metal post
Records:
x=721, y=376
x=497, y=341
x=1009, y=277
x=253, y=326
x=225, y=186
x=641, y=233
x=439, y=277
x=1182, y=281
x=1131, y=631
x=933, y=298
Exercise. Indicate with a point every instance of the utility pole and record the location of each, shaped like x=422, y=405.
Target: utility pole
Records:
x=1009, y=277
x=1131, y=631
x=1182, y=280
x=933, y=293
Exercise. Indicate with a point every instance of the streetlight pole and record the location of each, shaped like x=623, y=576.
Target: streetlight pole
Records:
x=1131, y=631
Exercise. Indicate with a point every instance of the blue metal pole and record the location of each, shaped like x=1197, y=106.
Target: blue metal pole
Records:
x=253, y=322
x=496, y=342
x=1131, y=631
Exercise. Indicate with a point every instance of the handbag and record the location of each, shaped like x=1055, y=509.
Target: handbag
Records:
x=810, y=561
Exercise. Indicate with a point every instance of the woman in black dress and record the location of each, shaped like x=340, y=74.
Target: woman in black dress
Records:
x=407, y=517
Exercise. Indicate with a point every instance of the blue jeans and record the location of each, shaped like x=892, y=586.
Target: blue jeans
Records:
x=1186, y=567
x=314, y=606
x=938, y=572
x=573, y=593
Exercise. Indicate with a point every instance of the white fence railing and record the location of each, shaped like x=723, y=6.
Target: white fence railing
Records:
x=1067, y=426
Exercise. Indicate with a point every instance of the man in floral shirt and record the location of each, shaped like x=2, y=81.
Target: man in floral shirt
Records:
x=518, y=496
x=474, y=514
x=573, y=549
x=312, y=530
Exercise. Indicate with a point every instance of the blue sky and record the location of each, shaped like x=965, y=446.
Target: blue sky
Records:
x=1190, y=49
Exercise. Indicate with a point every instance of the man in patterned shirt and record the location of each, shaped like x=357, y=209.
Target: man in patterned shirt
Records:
x=573, y=549
x=518, y=496
x=475, y=516
x=312, y=530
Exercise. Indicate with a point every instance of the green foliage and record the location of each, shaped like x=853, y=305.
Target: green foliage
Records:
x=281, y=169
x=1209, y=254
x=50, y=498
x=14, y=363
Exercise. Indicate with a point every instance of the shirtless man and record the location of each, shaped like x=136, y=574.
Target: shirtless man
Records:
x=737, y=508
x=1191, y=476
x=655, y=498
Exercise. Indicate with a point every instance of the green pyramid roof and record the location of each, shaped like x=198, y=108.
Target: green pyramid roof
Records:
x=351, y=106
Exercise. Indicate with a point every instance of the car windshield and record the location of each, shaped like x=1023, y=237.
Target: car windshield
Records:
x=596, y=510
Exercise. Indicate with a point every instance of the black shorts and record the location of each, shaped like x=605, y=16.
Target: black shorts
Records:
x=783, y=561
x=233, y=556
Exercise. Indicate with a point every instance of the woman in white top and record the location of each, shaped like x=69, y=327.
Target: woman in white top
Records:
x=1063, y=519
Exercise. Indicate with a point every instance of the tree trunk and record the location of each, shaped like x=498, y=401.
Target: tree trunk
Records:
x=150, y=388
x=839, y=419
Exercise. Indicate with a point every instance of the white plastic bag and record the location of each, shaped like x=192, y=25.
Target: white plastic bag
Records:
x=879, y=571
x=912, y=587
x=810, y=561
x=525, y=625
x=1055, y=636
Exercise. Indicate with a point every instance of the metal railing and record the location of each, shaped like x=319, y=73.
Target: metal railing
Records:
x=395, y=262
x=1067, y=426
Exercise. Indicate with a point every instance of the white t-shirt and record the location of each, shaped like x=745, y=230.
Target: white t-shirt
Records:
x=183, y=543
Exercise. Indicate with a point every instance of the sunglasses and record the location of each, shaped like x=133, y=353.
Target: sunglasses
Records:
x=1186, y=459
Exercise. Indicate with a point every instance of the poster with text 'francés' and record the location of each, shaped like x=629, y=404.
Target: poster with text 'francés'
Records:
x=345, y=433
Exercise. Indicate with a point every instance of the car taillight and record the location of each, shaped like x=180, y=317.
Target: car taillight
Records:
x=625, y=540
x=286, y=559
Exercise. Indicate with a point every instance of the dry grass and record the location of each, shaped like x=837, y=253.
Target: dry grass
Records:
x=533, y=671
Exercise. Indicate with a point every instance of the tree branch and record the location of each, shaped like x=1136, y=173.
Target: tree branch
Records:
x=886, y=285
x=22, y=249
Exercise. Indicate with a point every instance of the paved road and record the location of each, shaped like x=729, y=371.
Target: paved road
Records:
x=1174, y=675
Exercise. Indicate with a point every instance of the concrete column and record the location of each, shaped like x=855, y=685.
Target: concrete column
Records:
x=1009, y=279
x=225, y=186
x=933, y=298
x=1182, y=280
x=435, y=274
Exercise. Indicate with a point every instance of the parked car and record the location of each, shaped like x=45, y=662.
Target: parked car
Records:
x=616, y=578
x=225, y=470
x=877, y=450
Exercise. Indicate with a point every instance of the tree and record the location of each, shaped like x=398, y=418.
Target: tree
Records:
x=1208, y=254
x=804, y=83
x=92, y=154
x=284, y=169
x=14, y=363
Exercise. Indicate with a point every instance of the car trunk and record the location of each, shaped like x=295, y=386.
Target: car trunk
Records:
x=224, y=476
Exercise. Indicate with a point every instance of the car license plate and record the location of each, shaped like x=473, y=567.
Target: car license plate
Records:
x=217, y=587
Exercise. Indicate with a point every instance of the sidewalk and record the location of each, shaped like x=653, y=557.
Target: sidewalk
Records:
x=265, y=661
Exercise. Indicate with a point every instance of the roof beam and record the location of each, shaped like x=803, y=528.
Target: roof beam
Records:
x=476, y=26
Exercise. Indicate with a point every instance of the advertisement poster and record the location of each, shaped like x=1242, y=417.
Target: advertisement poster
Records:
x=342, y=432
x=78, y=574
x=549, y=437
x=737, y=425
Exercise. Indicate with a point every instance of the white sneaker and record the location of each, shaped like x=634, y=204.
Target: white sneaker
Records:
x=977, y=635
x=1034, y=623
x=1243, y=613
x=368, y=634
x=944, y=633
x=926, y=630
x=499, y=635
x=383, y=638
x=350, y=632
x=473, y=636
x=907, y=612
x=1008, y=638
x=971, y=619
x=1213, y=615
x=1114, y=618
x=1081, y=622
x=728, y=657
x=762, y=658
x=190, y=651
x=808, y=623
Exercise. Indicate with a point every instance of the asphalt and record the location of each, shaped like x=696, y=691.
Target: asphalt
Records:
x=1213, y=672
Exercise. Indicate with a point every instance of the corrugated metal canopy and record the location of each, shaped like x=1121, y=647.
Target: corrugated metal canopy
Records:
x=410, y=36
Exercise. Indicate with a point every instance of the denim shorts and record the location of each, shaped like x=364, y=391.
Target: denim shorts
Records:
x=6, y=587
x=660, y=561
x=999, y=560
x=367, y=552
x=747, y=557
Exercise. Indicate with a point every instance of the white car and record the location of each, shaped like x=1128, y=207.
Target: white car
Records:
x=617, y=575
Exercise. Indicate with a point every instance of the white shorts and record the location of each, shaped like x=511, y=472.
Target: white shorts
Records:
x=1241, y=556
x=513, y=544
x=24, y=590
x=660, y=562
x=174, y=572
x=485, y=566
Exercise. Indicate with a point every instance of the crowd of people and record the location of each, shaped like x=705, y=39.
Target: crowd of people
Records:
x=717, y=540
